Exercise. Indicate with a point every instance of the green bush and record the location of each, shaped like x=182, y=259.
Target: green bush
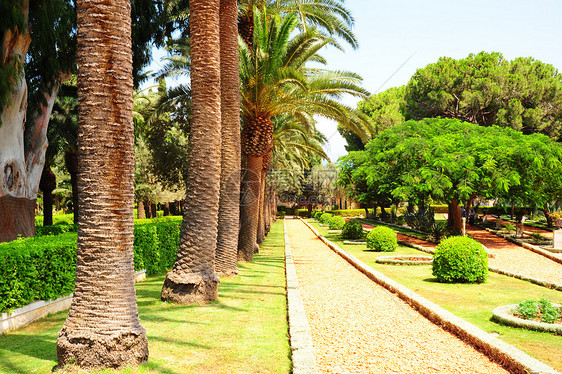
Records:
x=543, y=309
x=352, y=230
x=43, y=268
x=55, y=229
x=528, y=309
x=36, y=269
x=156, y=246
x=460, y=260
x=336, y=223
x=422, y=220
x=317, y=215
x=349, y=212
x=325, y=217
x=146, y=248
x=383, y=239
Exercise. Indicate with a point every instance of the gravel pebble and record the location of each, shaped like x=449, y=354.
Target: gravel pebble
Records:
x=358, y=326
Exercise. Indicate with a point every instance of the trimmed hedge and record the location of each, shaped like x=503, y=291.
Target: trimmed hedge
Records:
x=55, y=229
x=43, y=268
x=383, y=239
x=336, y=223
x=352, y=230
x=317, y=215
x=36, y=269
x=349, y=212
x=460, y=260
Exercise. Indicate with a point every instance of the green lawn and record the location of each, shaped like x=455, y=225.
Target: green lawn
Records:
x=473, y=302
x=244, y=332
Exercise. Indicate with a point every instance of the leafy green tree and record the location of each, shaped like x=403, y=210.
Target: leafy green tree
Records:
x=454, y=161
x=385, y=109
x=524, y=94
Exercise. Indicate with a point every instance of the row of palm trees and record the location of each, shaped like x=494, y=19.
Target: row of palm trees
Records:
x=279, y=95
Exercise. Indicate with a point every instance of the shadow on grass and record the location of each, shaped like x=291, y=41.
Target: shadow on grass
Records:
x=431, y=280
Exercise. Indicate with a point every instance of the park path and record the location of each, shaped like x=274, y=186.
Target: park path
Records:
x=505, y=255
x=358, y=326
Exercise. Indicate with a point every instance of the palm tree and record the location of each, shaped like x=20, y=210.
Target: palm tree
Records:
x=229, y=211
x=103, y=328
x=276, y=81
x=193, y=277
x=330, y=16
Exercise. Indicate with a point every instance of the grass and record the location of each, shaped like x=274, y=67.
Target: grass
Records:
x=244, y=332
x=473, y=302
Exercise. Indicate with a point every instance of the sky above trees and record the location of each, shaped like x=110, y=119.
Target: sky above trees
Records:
x=398, y=37
x=414, y=33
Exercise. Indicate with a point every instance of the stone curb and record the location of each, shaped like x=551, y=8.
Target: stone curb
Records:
x=25, y=315
x=302, y=349
x=504, y=314
x=505, y=354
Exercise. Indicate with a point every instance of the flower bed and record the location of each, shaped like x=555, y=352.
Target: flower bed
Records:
x=405, y=260
x=507, y=314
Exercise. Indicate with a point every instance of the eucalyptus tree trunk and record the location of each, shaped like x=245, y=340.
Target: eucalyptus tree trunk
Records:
x=22, y=156
x=229, y=206
x=103, y=328
x=193, y=278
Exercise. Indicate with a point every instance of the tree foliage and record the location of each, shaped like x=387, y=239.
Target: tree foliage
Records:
x=524, y=94
x=447, y=159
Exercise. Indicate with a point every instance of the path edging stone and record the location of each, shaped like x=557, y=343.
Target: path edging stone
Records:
x=302, y=349
x=505, y=354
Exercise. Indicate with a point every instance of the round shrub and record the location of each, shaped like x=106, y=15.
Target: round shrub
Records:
x=325, y=217
x=317, y=215
x=382, y=239
x=336, y=222
x=460, y=260
x=352, y=230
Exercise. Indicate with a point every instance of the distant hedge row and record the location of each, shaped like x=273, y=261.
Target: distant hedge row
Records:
x=44, y=267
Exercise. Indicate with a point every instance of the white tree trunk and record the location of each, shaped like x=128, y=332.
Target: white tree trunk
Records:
x=20, y=173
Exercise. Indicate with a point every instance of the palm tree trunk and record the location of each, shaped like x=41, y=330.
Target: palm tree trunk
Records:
x=229, y=206
x=103, y=328
x=249, y=207
x=261, y=218
x=267, y=210
x=71, y=162
x=193, y=278
x=140, y=210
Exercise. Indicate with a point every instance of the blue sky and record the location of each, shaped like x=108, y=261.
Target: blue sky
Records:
x=391, y=31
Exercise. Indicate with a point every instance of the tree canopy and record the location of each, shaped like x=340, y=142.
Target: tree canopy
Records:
x=450, y=160
x=524, y=94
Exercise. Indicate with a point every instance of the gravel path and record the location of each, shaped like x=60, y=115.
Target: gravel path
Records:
x=358, y=326
x=516, y=259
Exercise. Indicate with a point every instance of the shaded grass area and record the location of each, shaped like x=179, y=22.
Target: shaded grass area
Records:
x=472, y=302
x=244, y=332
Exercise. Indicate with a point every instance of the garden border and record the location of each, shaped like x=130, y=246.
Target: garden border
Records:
x=501, y=352
x=25, y=315
x=504, y=314
x=302, y=349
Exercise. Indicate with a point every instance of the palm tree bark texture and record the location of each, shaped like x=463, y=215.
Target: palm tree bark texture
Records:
x=103, y=328
x=229, y=207
x=193, y=278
